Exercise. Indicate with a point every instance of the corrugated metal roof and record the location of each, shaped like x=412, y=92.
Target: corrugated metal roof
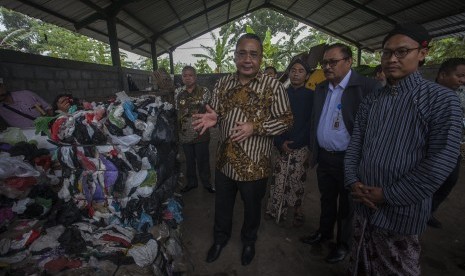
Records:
x=172, y=23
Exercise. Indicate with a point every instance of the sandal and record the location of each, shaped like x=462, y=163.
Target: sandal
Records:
x=298, y=220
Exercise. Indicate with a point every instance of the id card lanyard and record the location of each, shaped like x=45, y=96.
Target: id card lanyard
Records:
x=338, y=117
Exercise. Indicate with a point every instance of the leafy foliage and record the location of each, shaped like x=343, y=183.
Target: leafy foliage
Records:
x=442, y=49
x=30, y=35
x=219, y=54
x=260, y=21
x=202, y=67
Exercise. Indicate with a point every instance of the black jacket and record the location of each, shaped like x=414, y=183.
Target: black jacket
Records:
x=357, y=88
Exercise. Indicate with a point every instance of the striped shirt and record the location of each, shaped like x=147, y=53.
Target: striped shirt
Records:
x=406, y=141
x=262, y=101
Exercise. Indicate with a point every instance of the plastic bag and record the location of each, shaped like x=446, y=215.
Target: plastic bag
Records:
x=144, y=255
x=14, y=166
x=13, y=135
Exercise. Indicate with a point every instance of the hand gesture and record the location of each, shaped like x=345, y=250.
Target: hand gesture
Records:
x=241, y=131
x=206, y=120
x=369, y=196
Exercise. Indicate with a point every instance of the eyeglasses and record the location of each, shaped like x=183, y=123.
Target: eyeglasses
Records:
x=331, y=62
x=399, y=52
x=244, y=54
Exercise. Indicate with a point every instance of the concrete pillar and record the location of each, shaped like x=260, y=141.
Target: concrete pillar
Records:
x=171, y=62
x=113, y=40
x=153, y=49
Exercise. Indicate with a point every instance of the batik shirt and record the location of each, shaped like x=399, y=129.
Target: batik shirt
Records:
x=263, y=102
x=406, y=141
x=187, y=104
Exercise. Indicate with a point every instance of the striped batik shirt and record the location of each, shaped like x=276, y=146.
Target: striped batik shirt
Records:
x=406, y=141
x=264, y=102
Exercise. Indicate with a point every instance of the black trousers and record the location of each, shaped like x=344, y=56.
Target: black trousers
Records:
x=336, y=203
x=252, y=193
x=441, y=194
x=197, y=156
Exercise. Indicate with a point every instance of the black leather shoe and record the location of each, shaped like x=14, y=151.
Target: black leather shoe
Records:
x=248, y=252
x=338, y=254
x=187, y=189
x=214, y=252
x=210, y=190
x=315, y=238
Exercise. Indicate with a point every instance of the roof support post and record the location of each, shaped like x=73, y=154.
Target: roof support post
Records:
x=171, y=62
x=153, y=48
x=359, y=55
x=113, y=40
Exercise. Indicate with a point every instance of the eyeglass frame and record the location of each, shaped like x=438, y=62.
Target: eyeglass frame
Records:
x=397, y=55
x=244, y=55
x=332, y=62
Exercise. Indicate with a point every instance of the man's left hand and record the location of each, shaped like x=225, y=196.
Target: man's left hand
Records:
x=374, y=194
x=241, y=131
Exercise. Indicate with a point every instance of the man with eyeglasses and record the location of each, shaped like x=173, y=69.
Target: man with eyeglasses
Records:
x=404, y=144
x=249, y=108
x=335, y=105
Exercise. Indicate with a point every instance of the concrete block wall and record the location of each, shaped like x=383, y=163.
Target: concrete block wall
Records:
x=49, y=77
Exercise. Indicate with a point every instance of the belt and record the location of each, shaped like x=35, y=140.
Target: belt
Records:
x=332, y=152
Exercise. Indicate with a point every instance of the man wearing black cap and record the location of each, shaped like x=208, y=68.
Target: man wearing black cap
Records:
x=292, y=164
x=335, y=105
x=404, y=144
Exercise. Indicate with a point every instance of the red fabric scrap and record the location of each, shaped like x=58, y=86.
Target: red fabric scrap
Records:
x=56, y=128
x=85, y=162
x=20, y=183
x=108, y=237
x=34, y=236
x=89, y=117
x=45, y=161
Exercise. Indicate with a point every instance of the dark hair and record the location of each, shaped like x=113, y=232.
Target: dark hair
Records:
x=55, y=101
x=272, y=68
x=377, y=69
x=188, y=67
x=345, y=49
x=450, y=65
x=250, y=36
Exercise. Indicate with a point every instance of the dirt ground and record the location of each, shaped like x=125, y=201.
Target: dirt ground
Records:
x=279, y=251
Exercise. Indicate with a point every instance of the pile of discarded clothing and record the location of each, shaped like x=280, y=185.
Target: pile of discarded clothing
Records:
x=102, y=202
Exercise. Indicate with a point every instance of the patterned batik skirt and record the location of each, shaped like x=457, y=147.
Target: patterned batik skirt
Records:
x=380, y=252
x=287, y=189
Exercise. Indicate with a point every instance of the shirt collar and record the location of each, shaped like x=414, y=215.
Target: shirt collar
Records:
x=343, y=83
x=258, y=77
x=406, y=84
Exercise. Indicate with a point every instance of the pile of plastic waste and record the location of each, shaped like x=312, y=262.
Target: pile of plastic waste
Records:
x=102, y=201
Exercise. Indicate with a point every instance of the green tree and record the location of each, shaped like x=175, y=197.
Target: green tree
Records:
x=260, y=21
x=30, y=35
x=202, y=67
x=19, y=33
x=219, y=53
x=445, y=48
